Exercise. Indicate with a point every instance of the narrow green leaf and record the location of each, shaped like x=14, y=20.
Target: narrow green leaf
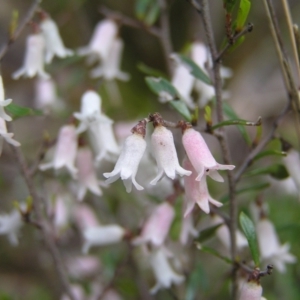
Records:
x=242, y=15
x=269, y=153
x=231, y=122
x=207, y=233
x=277, y=171
x=141, y=7
x=250, y=234
x=150, y=71
x=152, y=14
x=164, y=89
x=213, y=252
x=194, y=69
x=230, y=113
x=17, y=111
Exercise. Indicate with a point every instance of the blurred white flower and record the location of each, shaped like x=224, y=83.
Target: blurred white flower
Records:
x=65, y=151
x=10, y=225
x=187, y=229
x=53, y=42
x=164, y=274
x=3, y=102
x=128, y=162
x=109, y=69
x=251, y=290
x=102, y=236
x=7, y=136
x=270, y=248
x=164, y=151
x=100, y=45
x=292, y=163
x=34, y=58
x=156, y=227
x=81, y=267
x=84, y=217
x=77, y=292
x=87, y=178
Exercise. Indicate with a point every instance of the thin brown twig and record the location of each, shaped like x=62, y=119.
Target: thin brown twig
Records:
x=41, y=220
x=18, y=31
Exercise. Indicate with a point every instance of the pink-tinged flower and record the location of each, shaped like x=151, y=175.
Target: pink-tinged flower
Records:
x=61, y=212
x=129, y=159
x=183, y=81
x=10, y=225
x=292, y=163
x=53, y=42
x=251, y=290
x=164, y=274
x=87, y=178
x=165, y=154
x=270, y=248
x=34, y=58
x=7, y=136
x=84, y=217
x=196, y=192
x=3, y=103
x=81, y=267
x=223, y=234
x=109, y=69
x=187, y=229
x=100, y=45
x=46, y=97
x=65, y=151
x=200, y=156
x=156, y=228
x=77, y=293
x=102, y=236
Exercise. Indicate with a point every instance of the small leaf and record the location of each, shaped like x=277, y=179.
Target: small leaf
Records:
x=230, y=113
x=164, y=89
x=141, y=7
x=242, y=15
x=150, y=71
x=277, y=171
x=207, y=114
x=229, y=5
x=152, y=14
x=269, y=153
x=233, y=122
x=194, y=69
x=207, y=233
x=250, y=234
x=13, y=23
x=213, y=252
x=17, y=111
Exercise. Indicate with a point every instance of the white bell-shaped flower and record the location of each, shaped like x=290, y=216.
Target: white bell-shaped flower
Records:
x=292, y=163
x=270, y=248
x=109, y=69
x=128, y=162
x=65, y=151
x=251, y=290
x=164, y=274
x=10, y=225
x=101, y=41
x=156, y=227
x=3, y=102
x=102, y=236
x=7, y=136
x=34, y=58
x=165, y=154
x=200, y=155
x=53, y=42
x=87, y=178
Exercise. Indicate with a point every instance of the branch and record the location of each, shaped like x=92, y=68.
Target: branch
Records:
x=44, y=225
x=15, y=35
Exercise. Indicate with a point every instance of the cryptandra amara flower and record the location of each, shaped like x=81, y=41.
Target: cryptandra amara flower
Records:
x=131, y=155
x=156, y=228
x=102, y=236
x=164, y=274
x=251, y=290
x=187, y=229
x=100, y=45
x=65, y=151
x=109, y=69
x=165, y=152
x=7, y=136
x=34, y=58
x=87, y=178
x=10, y=225
x=53, y=42
x=197, y=192
x=3, y=102
x=270, y=248
x=200, y=156
x=292, y=163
